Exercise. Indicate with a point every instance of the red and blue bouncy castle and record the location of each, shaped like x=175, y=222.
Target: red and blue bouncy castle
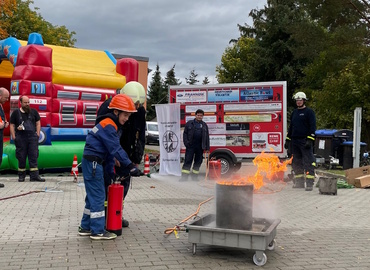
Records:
x=66, y=86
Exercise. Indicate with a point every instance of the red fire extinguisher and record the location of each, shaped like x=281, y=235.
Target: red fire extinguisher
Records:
x=114, y=208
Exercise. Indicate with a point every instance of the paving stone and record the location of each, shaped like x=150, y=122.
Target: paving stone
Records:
x=39, y=229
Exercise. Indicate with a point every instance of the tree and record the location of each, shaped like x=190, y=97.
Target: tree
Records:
x=157, y=93
x=205, y=80
x=192, y=78
x=237, y=62
x=306, y=43
x=24, y=21
x=342, y=39
x=337, y=79
x=265, y=51
x=7, y=8
x=171, y=78
x=342, y=93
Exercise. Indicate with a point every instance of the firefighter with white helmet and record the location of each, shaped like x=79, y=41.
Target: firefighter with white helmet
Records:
x=133, y=133
x=134, y=90
x=135, y=126
x=127, y=133
x=300, y=96
x=301, y=137
x=102, y=145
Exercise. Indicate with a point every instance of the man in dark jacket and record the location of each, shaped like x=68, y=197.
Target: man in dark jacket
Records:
x=196, y=141
x=301, y=137
x=132, y=128
x=25, y=129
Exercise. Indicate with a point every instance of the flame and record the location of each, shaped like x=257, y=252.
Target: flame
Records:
x=268, y=165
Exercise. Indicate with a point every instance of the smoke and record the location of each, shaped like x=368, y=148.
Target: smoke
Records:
x=264, y=206
x=199, y=186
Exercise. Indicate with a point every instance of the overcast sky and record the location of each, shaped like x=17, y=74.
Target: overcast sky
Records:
x=191, y=34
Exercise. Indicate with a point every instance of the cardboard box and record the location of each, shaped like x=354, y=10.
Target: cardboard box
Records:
x=362, y=181
x=352, y=174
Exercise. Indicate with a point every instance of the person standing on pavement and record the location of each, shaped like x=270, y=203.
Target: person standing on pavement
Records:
x=4, y=97
x=132, y=136
x=133, y=142
x=301, y=137
x=196, y=141
x=25, y=130
x=102, y=145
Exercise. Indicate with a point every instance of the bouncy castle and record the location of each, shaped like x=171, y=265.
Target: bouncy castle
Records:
x=66, y=86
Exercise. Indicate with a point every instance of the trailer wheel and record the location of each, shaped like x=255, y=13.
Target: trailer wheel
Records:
x=237, y=166
x=226, y=164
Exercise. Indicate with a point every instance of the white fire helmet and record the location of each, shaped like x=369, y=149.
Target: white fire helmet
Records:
x=135, y=91
x=300, y=96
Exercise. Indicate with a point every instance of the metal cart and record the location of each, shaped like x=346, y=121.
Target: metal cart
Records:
x=259, y=238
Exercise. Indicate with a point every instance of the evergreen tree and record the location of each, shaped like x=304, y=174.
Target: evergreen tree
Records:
x=171, y=78
x=156, y=94
x=205, y=80
x=317, y=46
x=192, y=78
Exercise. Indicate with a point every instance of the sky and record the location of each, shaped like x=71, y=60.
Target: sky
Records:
x=192, y=35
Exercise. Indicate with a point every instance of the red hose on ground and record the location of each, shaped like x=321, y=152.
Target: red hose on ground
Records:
x=171, y=230
x=19, y=195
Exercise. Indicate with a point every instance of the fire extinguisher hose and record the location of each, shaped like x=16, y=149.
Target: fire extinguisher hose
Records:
x=171, y=230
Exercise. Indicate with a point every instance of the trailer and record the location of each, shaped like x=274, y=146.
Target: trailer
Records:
x=244, y=119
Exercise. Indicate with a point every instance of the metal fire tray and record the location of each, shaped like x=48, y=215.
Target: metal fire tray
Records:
x=259, y=238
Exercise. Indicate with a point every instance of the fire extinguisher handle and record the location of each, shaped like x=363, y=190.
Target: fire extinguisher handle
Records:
x=135, y=172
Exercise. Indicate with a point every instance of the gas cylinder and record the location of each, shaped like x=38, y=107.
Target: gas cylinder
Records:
x=114, y=208
x=214, y=169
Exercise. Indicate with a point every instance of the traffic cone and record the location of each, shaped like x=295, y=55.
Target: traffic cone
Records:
x=74, y=170
x=146, y=165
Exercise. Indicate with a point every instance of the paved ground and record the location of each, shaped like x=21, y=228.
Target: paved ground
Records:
x=39, y=230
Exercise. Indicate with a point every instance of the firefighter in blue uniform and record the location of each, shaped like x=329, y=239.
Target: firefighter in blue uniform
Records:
x=102, y=144
x=196, y=141
x=25, y=130
x=301, y=137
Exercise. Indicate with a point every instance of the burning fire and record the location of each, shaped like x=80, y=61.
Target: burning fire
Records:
x=268, y=165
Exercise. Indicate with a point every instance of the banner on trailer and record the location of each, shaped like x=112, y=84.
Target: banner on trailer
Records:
x=168, y=117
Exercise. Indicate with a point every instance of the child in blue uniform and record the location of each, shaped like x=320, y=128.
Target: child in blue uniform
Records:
x=103, y=145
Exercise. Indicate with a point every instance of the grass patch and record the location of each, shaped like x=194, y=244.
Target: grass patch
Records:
x=150, y=151
x=339, y=172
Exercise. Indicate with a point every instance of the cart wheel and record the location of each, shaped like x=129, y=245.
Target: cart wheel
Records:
x=260, y=261
x=194, y=247
x=271, y=246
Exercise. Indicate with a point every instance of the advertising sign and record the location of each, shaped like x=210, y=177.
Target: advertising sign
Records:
x=245, y=118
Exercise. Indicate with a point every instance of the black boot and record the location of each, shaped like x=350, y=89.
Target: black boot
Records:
x=309, y=184
x=21, y=176
x=38, y=179
x=125, y=223
x=1, y=185
x=35, y=177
